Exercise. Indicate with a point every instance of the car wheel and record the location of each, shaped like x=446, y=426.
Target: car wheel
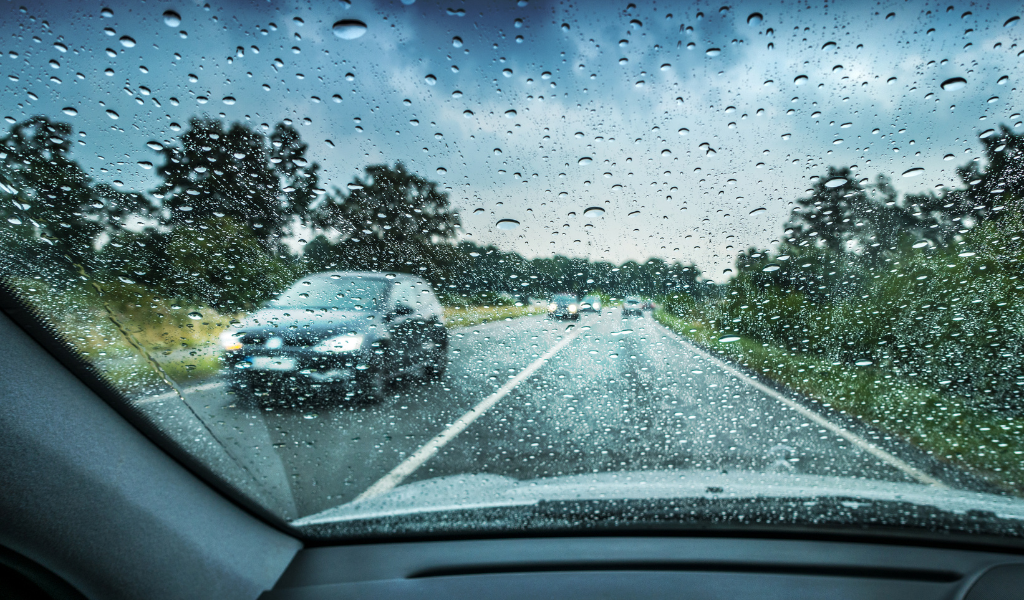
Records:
x=372, y=390
x=436, y=368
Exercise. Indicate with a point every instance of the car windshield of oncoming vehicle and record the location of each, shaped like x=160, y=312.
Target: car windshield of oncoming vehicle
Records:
x=335, y=252
x=334, y=292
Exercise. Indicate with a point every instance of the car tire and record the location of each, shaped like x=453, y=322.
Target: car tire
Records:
x=372, y=389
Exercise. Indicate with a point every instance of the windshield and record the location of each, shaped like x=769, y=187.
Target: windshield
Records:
x=821, y=208
x=334, y=292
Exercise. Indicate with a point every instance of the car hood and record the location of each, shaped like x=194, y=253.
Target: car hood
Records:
x=299, y=326
x=743, y=489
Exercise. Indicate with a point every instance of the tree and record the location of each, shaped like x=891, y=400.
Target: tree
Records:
x=397, y=218
x=217, y=173
x=47, y=193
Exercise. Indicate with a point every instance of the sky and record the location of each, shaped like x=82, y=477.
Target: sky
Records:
x=694, y=127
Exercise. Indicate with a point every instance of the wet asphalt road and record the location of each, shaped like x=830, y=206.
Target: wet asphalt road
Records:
x=622, y=395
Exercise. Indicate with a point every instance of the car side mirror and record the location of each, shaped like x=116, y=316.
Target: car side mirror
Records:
x=402, y=310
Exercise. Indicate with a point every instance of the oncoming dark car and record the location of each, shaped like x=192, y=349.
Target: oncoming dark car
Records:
x=632, y=307
x=346, y=332
x=564, y=306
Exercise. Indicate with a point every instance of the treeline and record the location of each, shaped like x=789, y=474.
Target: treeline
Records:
x=929, y=285
x=215, y=229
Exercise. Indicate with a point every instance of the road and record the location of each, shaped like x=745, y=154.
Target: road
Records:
x=603, y=394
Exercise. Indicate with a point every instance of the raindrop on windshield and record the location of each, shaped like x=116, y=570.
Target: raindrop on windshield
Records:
x=835, y=182
x=430, y=79
x=913, y=172
x=457, y=42
x=953, y=84
x=229, y=100
x=757, y=210
x=727, y=339
x=510, y=113
x=70, y=111
x=863, y=363
x=127, y=42
x=349, y=29
x=755, y=19
x=1011, y=22
x=112, y=114
x=195, y=316
x=800, y=80
x=507, y=224
x=171, y=18
x=586, y=160
x=593, y=211
x=713, y=51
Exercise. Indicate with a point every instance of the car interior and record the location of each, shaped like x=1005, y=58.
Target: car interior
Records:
x=411, y=299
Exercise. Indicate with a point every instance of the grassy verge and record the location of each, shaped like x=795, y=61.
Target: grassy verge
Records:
x=464, y=316
x=949, y=427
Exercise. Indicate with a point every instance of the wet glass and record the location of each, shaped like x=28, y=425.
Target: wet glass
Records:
x=317, y=247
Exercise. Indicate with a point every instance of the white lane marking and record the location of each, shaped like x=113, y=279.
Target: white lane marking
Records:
x=846, y=434
x=196, y=388
x=428, y=450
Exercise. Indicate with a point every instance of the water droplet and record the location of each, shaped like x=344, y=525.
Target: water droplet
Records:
x=1003, y=80
x=891, y=80
x=920, y=244
x=771, y=268
x=987, y=133
x=506, y=72
x=565, y=27
x=457, y=42
x=635, y=213
x=863, y=362
x=497, y=151
x=684, y=131
x=728, y=339
x=229, y=100
x=507, y=224
x=349, y=29
x=171, y=18
x=430, y=79
x=510, y=114
x=913, y=172
x=1011, y=22
x=636, y=23
x=195, y=316
x=829, y=46
x=800, y=80
x=586, y=160
x=713, y=51
x=890, y=16
x=468, y=114
x=993, y=99
x=127, y=42
x=441, y=170
x=755, y=19
x=757, y=210
x=106, y=13
x=953, y=84
x=593, y=211
x=69, y=111
x=666, y=67
x=112, y=114
x=835, y=182
x=456, y=94
x=478, y=211
x=145, y=164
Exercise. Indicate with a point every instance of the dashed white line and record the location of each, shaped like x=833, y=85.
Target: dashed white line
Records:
x=844, y=433
x=428, y=450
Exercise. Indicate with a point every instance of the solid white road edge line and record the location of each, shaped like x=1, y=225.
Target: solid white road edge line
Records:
x=846, y=434
x=428, y=450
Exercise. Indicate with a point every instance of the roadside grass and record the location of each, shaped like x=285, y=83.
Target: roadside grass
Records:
x=464, y=316
x=950, y=427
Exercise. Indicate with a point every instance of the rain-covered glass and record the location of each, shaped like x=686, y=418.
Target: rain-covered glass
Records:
x=321, y=247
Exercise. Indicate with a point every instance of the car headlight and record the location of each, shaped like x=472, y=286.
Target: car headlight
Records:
x=342, y=343
x=597, y=306
x=229, y=340
x=552, y=307
x=572, y=308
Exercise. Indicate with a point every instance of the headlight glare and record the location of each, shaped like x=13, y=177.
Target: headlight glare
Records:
x=572, y=308
x=552, y=306
x=229, y=340
x=342, y=343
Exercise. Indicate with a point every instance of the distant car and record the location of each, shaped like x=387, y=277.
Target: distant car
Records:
x=346, y=331
x=632, y=307
x=564, y=306
x=591, y=303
